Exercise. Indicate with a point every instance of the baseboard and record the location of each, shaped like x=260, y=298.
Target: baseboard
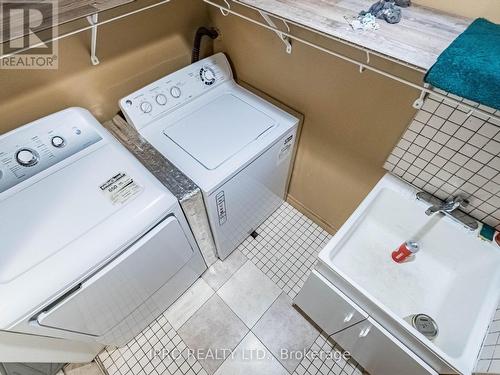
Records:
x=311, y=215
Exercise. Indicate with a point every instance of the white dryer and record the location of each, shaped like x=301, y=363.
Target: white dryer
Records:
x=234, y=145
x=93, y=247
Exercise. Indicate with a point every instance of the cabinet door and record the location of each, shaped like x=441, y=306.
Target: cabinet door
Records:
x=379, y=352
x=326, y=305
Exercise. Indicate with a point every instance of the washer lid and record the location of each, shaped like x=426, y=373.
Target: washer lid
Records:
x=219, y=130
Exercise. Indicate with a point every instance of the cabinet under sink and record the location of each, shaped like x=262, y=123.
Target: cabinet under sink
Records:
x=378, y=351
x=365, y=301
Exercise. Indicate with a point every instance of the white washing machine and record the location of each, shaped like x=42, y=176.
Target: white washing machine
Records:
x=93, y=247
x=234, y=145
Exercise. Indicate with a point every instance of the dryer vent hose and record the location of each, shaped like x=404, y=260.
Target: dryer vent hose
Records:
x=212, y=33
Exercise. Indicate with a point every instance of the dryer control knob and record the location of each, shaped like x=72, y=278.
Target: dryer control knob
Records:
x=161, y=99
x=146, y=107
x=26, y=157
x=175, y=92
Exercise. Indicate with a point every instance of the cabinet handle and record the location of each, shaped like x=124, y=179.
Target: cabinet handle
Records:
x=365, y=331
x=348, y=317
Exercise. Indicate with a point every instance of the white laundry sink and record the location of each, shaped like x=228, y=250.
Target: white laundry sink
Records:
x=454, y=278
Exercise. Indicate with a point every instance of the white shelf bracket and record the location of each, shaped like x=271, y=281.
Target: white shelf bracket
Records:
x=361, y=67
x=93, y=19
x=417, y=104
x=285, y=39
x=225, y=13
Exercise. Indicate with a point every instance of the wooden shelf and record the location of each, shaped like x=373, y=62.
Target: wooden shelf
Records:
x=417, y=40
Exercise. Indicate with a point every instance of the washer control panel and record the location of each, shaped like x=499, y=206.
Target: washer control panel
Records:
x=172, y=91
x=38, y=146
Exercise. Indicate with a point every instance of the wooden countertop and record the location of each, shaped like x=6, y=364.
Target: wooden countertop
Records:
x=417, y=40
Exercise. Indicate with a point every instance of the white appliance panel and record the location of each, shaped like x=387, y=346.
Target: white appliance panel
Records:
x=50, y=224
x=219, y=130
x=234, y=145
x=241, y=204
x=88, y=236
x=175, y=90
x=210, y=179
x=103, y=301
x=52, y=143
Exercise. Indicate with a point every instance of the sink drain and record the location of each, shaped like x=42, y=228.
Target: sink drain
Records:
x=424, y=324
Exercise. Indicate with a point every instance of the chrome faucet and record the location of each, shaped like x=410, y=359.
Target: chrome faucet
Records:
x=450, y=207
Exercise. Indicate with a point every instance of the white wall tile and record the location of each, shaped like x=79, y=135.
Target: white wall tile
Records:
x=488, y=130
x=464, y=134
x=436, y=122
x=443, y=111
x=449, y=128
x=447, y=151
x=493, y=147
x=455, y=144
x=483, y=157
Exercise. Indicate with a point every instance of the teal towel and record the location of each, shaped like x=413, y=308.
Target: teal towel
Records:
x=470, y=66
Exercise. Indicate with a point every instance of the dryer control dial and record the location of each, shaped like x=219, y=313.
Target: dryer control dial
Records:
x=26, y=157
x=207, y=75
x=146, y=107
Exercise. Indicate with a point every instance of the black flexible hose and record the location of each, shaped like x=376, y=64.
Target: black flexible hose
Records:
x=212, y=33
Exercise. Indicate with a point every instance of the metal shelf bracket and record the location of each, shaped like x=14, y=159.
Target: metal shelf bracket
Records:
x=418, y=103
x=284, y=38
x=93, y=20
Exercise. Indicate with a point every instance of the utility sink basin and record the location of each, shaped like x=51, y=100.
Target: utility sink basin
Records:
x=454, y=278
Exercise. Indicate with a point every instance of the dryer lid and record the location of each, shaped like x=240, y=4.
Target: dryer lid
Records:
x=219, y=130
x=60, y=210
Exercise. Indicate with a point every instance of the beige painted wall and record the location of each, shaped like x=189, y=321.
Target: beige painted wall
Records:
x=352, y=120
x=351, y=123
x=489, y=9
x=133, y=52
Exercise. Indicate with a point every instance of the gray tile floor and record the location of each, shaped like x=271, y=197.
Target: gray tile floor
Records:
x=238, y=318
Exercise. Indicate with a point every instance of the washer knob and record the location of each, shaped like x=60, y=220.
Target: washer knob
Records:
x=26, y=157
x=207, y=75
x=58, y=141
x=175, y=92
x=146, y=107
x=161, y=99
